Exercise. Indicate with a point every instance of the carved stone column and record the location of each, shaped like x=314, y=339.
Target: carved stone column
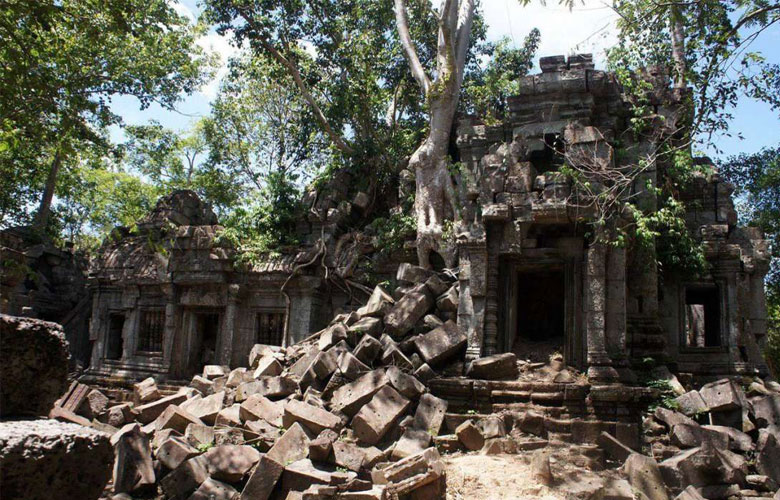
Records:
x=169, y=333
x=471, y=307
x=599, y=363
x=229, y=325
x=616, y=305
x=491, y=296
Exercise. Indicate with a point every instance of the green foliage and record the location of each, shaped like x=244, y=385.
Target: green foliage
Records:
x=667, y=396
x=204, y=447
x=63, y=61
x=391, y=232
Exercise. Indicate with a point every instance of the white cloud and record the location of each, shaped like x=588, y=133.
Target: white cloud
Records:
x=589, y=27
x=221, y=45
x=182, y=9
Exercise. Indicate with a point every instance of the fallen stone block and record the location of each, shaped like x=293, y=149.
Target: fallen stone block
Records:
x=378, y=303
x=292, y=446
x=761, y=483
x=199, y=434
x=185, y=479
x=441, y=344
x=768, y=454
x=411, y=473
x=94, y=405
x=64, y=415
x=738, y=440
x=205, y=409
x=260, y=350
x=672, y=418
x=691, y=436
x=430, y=414
x=492, y=426
x=496, y=367
x=448, y=301
x=411, y=274
x=470, y=435
x=159, y=437
x=34, y=370
x=332, y=335
x=408, y=311
x=270, y=387
x=211, y=489
x=229, y=417
x=540, y=468
x=766, y=410
x=259, y=407
x=267, y=366
x=212, y=372
x=44, y=459
x=691, y=403
x=175, y=418
x=133, y=469
x=321, y=447
x=689, y=493
x=393, y=356
x=374, y=420
x=173, y=451
x=424, y=373
x=614, y=449
x=230, y=462
x=202, y=384
x=238, y=376
x=405, y=384
x=300, y=475
x=348, y=455
x=263, y=479
x=149, y=412
x=365, y=326
x=532, y=422
x=722, y=395
x=412, y=441
x=701, y=466
x=645, y=476
x=350, y=366
x=316, y=419
x=119, y=415
x=349, y=398
x=367, y=349
x=448, y=443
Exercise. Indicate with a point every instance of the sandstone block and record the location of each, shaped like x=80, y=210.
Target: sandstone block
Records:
x=349, y=398
x=133, y=468
x=238, y=376
x=202, y=384
x=267, y=366
x=321, y=447
x=691, y=436
x=430, y=414
x=175, y=418
x=292, y=446
x=689, y=493
x=405, y=384
x=723, y=395
x=350, y=366
x=367, y=349
x=409, y=273
x=645, y=476
x=348, y=455
x=259, y=407
x=185, y=479
x=34, y=370
x=150, y=411
x=448, y=301
x=672, y=418
x=199, y=434
x=173, y=451
x=738, y=440
x=424, y=373
x=691, y=403
x=377, y=304
x=316, y=419
x=613, y=448
x=205, y=409
x=768, y=454
x=300, y=475
x=496, y=367
x=411, y=473
x=767, y=410
x=441, y=343
x=45, y=459
x=470, y=435
x=212, y=372
x=270, y=387
x=374, y=420
x=119, y=415
x=260, y=350
x=230, y=462
x=263, y=479
x=393, y=356
x=211, y=489
x=408, y=311
x=365, y=326
x=412, y=441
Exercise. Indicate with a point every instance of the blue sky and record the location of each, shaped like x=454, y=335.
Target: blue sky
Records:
x=588, y=28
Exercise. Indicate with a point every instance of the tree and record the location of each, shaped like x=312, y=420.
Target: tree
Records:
x=63, y=61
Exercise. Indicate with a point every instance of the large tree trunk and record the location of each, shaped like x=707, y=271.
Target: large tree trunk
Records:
x=42, y=216
x=435, y=201
x=677, y=30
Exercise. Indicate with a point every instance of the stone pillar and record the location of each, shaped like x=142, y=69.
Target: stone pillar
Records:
x=615, y=313
x=491, y=296
x=472, y=256
x=228, y=325
x=98, y=330
x=599, y=363
x=169, y=334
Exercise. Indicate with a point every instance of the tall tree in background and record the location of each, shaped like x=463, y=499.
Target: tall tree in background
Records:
x=63, y=61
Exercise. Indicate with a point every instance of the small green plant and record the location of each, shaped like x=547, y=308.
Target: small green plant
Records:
x=204, y=447
x=342, y=469
x=667, y=397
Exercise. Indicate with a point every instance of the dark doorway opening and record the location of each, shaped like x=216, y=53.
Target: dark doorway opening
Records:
x=702, y=317
x=116, y=323
x=540, y=314
x=207, y=328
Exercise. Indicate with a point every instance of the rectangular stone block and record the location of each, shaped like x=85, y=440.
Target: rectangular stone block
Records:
x=441, y=344
x=349, y=398
x=257, y=406
x=149, y=412
x=314, y=418
x=263, y=479
x=375, y=419
x=292, y=446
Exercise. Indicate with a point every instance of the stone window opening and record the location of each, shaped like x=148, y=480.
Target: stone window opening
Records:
x=551, y=157
x=151, y=331
x=702, y=317
x=269, y=328
x=115, y=343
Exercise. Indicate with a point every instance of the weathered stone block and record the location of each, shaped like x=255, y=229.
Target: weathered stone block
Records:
x=367, y=349
x=292, y=446
x=375, y=419
x=378, y=303
x=365, y=326
x=34, y=370
x=300, y=475
x=723, y=395
x=198, y=434
x=470, y=435
x=613, y=448
x=691, y=403
x=441, y=343
x=496, y=367
x=645, y=476
x=212, y=372
x=350, y=366
x=263, y=479
x=267, y=366
x=186, y=478
x=768, y=453
x=349, y=398
x=259, y=407
x=175, y=418
x=348, y=455
x=202, y=384
x=230, y=462
x=321, y=447
x=173, y=451
x=430, y=414
x=691, y=436
x=229, y=416
x=270, y=387
x=133, y=468
x=408, y=311
x=408, y=273
x=261, y=350
x=412, y=441
x=424, y=373
x=205, y=409
x=404, y=383
x=149, y=412
x=767, y=410
x=44, y=459
x=315, y=419
x=211, y=489
x=411, y=473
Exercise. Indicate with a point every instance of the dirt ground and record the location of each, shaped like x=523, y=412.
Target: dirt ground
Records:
x=479, y=477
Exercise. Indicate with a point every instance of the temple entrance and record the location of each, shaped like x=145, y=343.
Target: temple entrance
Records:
x=201, y=341
x=540, y=317
x=207, y=331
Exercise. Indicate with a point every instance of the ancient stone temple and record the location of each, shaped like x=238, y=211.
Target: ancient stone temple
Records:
x=169, y=298
x=533, y=281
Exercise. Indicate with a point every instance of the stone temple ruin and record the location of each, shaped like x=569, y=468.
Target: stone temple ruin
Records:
x=224, y=380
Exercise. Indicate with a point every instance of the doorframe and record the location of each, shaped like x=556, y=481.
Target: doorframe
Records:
x=190, y=330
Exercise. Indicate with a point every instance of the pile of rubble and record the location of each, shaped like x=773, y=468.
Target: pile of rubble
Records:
x=720, y=442
x=344, y=414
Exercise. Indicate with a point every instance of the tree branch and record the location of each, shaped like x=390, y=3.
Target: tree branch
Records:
x=406, y=42
x=292, y=68
x=463, y=34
